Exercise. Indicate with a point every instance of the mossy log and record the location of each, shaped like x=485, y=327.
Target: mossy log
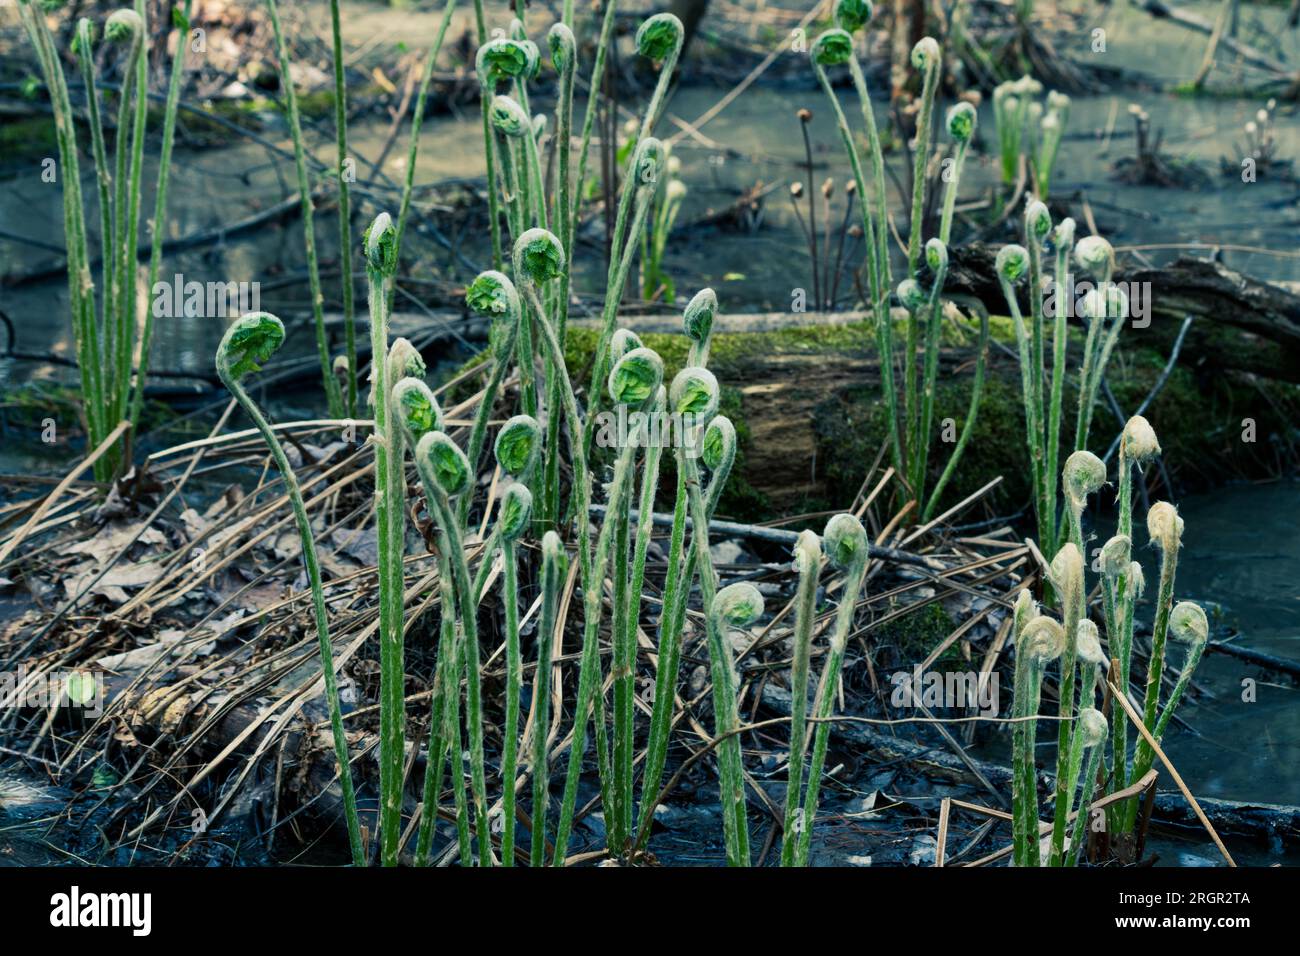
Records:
x=806, y=402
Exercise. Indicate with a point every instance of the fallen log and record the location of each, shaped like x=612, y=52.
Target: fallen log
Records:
x=1269, y=661
x=1185, y=18
x=1243, y=324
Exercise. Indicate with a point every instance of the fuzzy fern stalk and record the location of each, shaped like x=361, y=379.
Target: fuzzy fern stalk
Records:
x=554, y=569
x=1166, y=531
x=1038, y=228
x=418, y=412
x=1138, y=446
x=1022, y=790
x=332, y=391
x=390, y=486
x=1039, y=641
x=645, y=527
x=1105, y=302
x=249, y=342
x=181, y=19
x=513, y=125
x=735, y=607
x=881, y=232
x=847, y=549
x=83, y=47
x=1088, y=653
x=564, y=56
x=515, y=512
x=1012, y=264
x=497, y=62
x=1052, y=128
x=420, y=416
x=1084, y=474
x=1063, y=242
x=1091, y=736
x=445, y=471
x=128, y=222
x=659, y=38
x=1013, y=104
x=631, y=582
x=1134, y=585
x=694, y=395
x=349, y=393
x=634, y=382
x=531, y=178
x=1188, y=625
x=961, y=122
x=634, y=204
x=1067, y=581
x=124, y=26
x=538, y=258
x=518, y=446
x=927, y=57
x=654, y=446
x=718, y=452
x=936, y=257
x=807, y=563
x=86, y=338
x=833, y=48
x=639, y=367
x=450, y=727
x=492, y=295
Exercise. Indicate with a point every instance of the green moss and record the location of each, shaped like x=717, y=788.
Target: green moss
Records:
x=28, y=406
x=917, y=633
x=740, y=500
x=25, y=138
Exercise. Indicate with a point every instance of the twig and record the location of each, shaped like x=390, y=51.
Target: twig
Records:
x=941, y=843
x=41, y=509
x=777, y=536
